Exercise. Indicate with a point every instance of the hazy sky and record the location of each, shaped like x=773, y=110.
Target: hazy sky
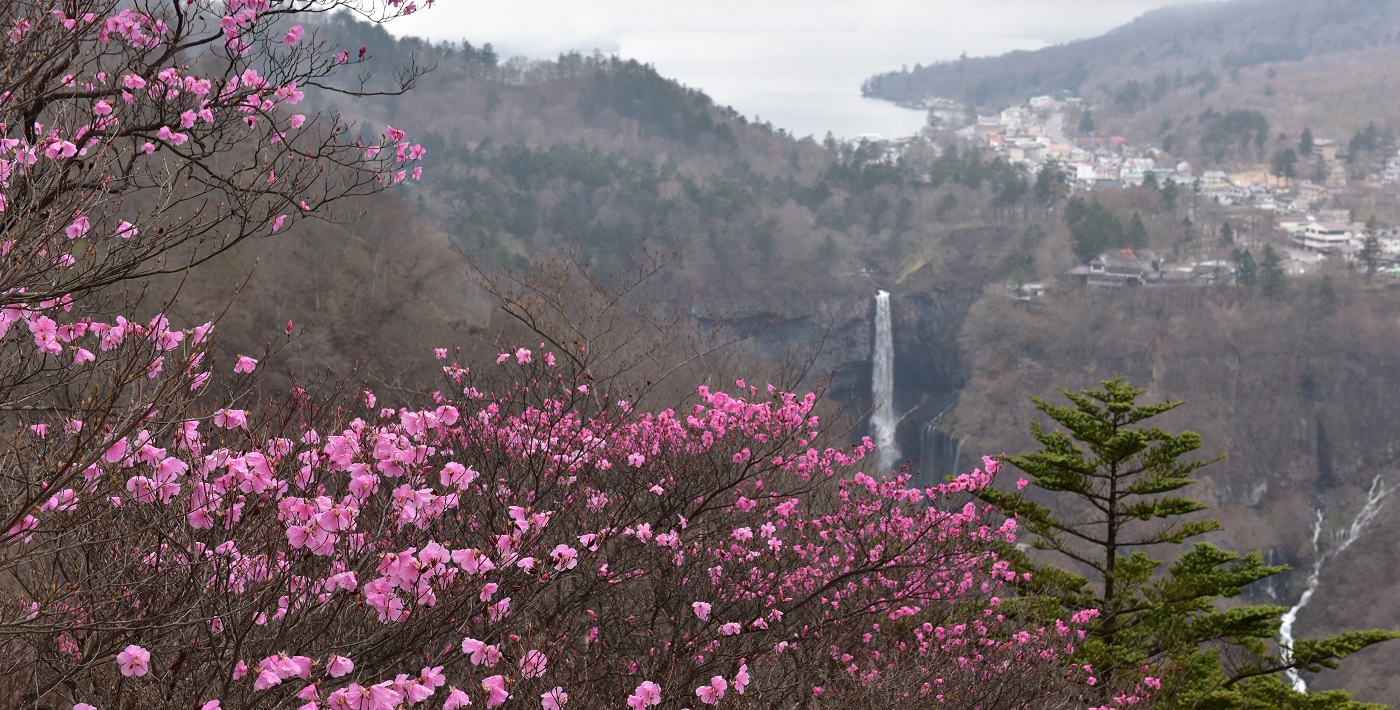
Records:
x=545, y=27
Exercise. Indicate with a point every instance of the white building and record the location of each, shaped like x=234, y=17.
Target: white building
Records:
x=1327, y=237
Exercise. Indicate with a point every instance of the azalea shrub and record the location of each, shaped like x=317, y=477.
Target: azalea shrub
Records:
x=538, y=541
x=139, y=139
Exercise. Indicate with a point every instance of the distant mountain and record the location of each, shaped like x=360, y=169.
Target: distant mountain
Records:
x=1324, y=64
x=1191, y=37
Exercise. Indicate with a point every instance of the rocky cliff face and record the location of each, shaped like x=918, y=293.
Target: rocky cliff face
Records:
x=929, y=363
x=930, y=369
x=929, y=366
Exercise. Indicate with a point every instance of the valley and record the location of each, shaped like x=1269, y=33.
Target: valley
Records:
x=789, y=241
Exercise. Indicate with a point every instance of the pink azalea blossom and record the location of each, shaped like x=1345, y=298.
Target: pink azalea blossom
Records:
x=231, y=419
x=245, y=364
x=555, y=699
x=646, y=695
x=338, y=666
x=456, y=699
x=298, y=666
x=711, y=694
x=134, y=661
x=496, y=687
x=564, y=557
x=78, y=228
x=475, y=649
x=267, y=678
x=432, y=677
x=533, y=664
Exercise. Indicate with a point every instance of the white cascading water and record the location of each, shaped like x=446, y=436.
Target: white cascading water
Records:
x=1375, y=498
x=884, y=421
x=931, y=450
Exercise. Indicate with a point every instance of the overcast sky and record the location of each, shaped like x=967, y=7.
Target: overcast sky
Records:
x=541, y=28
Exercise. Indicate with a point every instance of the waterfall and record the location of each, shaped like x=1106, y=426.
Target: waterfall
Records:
x=938, y=451
x=930, y=448
x=1375, y=498
x=884, y=420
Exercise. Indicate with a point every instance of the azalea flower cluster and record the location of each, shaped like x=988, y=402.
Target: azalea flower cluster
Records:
x=537, y=542
x=119, y=100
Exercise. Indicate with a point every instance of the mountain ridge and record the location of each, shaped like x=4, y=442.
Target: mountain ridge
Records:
x=1185, y=58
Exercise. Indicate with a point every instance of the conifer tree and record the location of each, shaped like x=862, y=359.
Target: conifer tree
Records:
x=1086, y=123
x=1137, y=232
x=1115, y=481
x=1169, y=195
x=1246, y=270
x=1049, y=182
x=1370, y=254
x=1271, y=279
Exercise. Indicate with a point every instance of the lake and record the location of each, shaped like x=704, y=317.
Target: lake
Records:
x=807, y=83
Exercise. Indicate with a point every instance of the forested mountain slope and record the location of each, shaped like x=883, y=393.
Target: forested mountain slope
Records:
x=606, y=157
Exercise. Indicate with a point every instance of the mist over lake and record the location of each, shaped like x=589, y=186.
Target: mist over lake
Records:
x=806, y=83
